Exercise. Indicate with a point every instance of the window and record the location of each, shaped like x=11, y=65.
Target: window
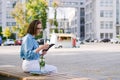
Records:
x=101, y=35
x=106, y=13
x=82, y=12
x=117, y=22
x=106, y=35
x=14, y=4
x=111, y=24
x=87, y=7
x=111, y=35
x=101, y=13
x=81, y=3
x=8, y=15
x=106, y=3
x=82, y=21
x=106, y=25
x=8, y=24
x=102, y=24
x=13, y=23
x=87, y=17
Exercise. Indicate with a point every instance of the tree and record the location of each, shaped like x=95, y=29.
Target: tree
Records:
x=51, y=22
x=55, y=5
x=0, y=30
x=20, y=16
x=25, y=13
x=7, y=32
x=37, y=9
x=19, y=30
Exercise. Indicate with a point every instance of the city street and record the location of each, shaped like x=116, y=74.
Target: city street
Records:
x=99, y=61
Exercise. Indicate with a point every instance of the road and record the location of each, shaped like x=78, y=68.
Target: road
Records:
x=100, y=61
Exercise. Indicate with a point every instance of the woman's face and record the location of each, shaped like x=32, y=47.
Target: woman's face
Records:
x=39, y=29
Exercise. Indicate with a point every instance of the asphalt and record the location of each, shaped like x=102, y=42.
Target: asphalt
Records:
x=97, y=61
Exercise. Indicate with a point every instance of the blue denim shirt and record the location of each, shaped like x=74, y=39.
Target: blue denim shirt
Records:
x=28, y=47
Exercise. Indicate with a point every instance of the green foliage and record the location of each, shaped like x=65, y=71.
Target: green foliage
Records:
x=51, y=30
x=56, y=30
x=118, y=36
x=25, y=13
x=51, y=22
x=55, y=5
x=21, y=31
x=61, y=30
x=56, y=23
x=7, y=32
x=55, y=14
x=20, y=16
x=13, y=36
x=37, y=9
x=3, y=39
x=39, y=36
x=0, y=30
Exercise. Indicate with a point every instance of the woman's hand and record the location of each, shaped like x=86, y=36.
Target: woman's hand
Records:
x=42, y=47
x=45, y=46
x=44, y=52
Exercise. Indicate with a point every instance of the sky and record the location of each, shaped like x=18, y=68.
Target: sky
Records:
x=62, y=12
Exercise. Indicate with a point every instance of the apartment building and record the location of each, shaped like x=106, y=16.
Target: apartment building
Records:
x=117, y=17
x=76, y=26
x=100, y=19
x=6, y=19
x=0, y=12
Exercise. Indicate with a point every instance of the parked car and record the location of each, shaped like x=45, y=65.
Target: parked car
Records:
x=105, y=40
x=58, y=46
x=94, y=40
x=88, y=40
x=9, y=42
x=116, y=40
x=18, y=42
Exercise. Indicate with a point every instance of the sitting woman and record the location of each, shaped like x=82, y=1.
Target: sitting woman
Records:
x=31, y=51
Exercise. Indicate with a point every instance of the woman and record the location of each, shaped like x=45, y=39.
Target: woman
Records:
x=31, y=51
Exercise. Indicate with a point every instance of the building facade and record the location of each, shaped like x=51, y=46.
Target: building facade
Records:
x=93, y=19
x=100, y=19
x=117, y=17
x=76, y=25
x=0, y=12
x=77, y=22
x=6, y=19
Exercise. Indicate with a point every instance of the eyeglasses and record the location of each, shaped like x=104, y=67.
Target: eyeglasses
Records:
x=39, y=28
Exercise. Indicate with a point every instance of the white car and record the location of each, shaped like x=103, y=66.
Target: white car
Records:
x=116, y=40
x=9, y=42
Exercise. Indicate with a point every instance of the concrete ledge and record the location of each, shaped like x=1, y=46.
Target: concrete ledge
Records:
x=16, y=73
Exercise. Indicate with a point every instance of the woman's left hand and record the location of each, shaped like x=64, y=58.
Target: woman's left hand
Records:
x=44, y=52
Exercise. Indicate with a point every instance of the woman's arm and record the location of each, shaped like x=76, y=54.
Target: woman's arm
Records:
x=45, y=46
